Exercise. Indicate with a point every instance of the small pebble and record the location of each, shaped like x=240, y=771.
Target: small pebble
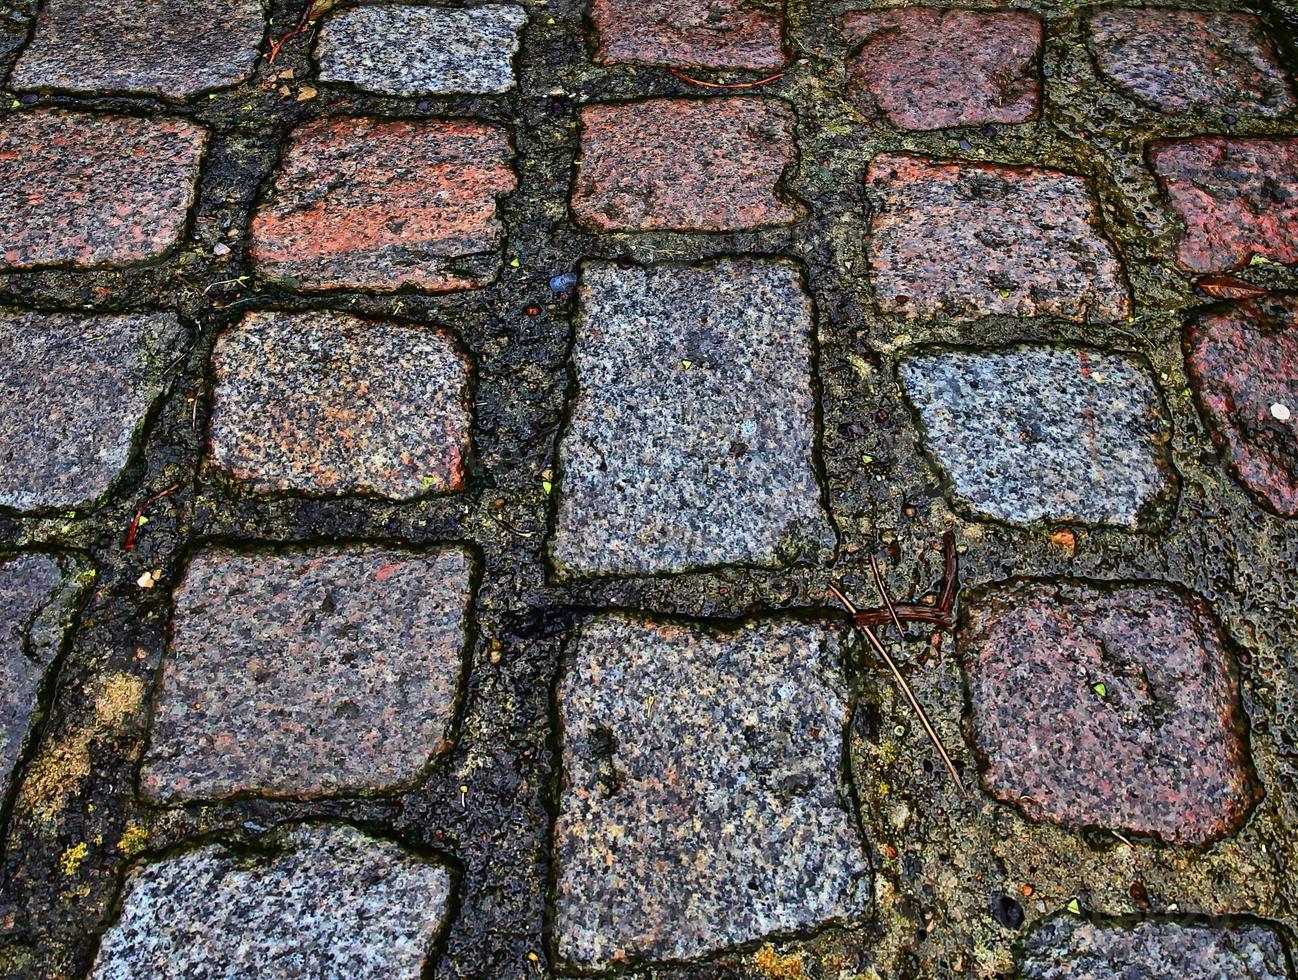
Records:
x=1281, y=412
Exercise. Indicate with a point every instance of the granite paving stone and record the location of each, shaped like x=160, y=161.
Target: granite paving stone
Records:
x=85, y=190
x=960, y=241
x=321, y=901
x=925, y=68
x=29, y=584
x=312, y=673
x=1068, y=948
x=711, y=164
x=1026, y=434
x=1112, y=706
x=155, y=47
x=329, y=403
x=1243, y=365
x=690, y=439
x=702, y=803
x=707, y=34
x=75, y=392
x=1236, y=199
x=381, y=205
x=395, y=49
x=1190, y=60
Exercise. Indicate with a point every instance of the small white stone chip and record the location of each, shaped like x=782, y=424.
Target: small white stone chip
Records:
x=1280, y=412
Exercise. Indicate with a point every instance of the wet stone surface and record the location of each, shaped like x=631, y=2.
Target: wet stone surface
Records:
x=28, y=645
x=308, y=674
x=405, y=50
x=384, y=205
x=738, y=34
x=1111, y=707
x=1026, y=434
x=1182, y=60
x=710, y=164
x=924, y=68
x=1243, y=366
x=321, y=902
x=1235, y=198
x=702, y=803
x=967, y=240
x=691, y=435
x=74, y=395
x=86, y=190
x=1067, y=948
x=160, y=47
x=332, y=404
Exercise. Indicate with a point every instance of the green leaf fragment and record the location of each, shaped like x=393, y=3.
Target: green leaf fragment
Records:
x=1075, y=907
x=547, y=486
x=1100, y=689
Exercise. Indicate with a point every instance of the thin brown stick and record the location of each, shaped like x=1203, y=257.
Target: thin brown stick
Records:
x=905, y=688
x=940, y=614
x=133, y=530
x=698, y=81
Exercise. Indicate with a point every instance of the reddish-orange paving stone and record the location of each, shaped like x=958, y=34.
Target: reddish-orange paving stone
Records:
x=1182, y=60
x=1236, y=198
x=328, y=403
x=966, y=240
x=86, y=190
x=923, y=68
x=1107, y=705
x=717, y=34
x=685, y=165
x=1243, y=366
x=383, y=205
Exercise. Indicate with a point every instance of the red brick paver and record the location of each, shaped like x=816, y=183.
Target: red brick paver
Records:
x=690, y=33
x=381, y=205
x=1243, y=365
x=1108, y=707
x=924, y=68
x=1181, y=60
x=965, y=240
x=89, y=190
x=1236, y=198
x=685, y=165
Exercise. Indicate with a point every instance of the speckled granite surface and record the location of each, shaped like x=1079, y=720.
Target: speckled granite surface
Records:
x=319, y=901
x=1025, y=434
x=328, y=403
x=165, y=47
x=960, y=241
x=28, y=584
x=1135, y=722
x=703, y=802
x=398, y=49
x=72, y=187
x=1243, y=365
x=309, y=673
x=1068, y=948
x=691, y=436
x=1181, y=60
x=74, y=392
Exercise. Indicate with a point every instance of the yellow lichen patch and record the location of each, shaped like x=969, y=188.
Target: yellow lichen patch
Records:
x=134, y=838
x=70, y=860
x=778, y=967
x=60, y=769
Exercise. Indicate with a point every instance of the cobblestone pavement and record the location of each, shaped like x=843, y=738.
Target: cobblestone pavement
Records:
x=429, y=432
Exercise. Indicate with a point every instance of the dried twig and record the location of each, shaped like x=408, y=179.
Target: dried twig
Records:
x=939, y=614
x=309, y=14
x=129, y=543
x=905, y=687
x=698, y=81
